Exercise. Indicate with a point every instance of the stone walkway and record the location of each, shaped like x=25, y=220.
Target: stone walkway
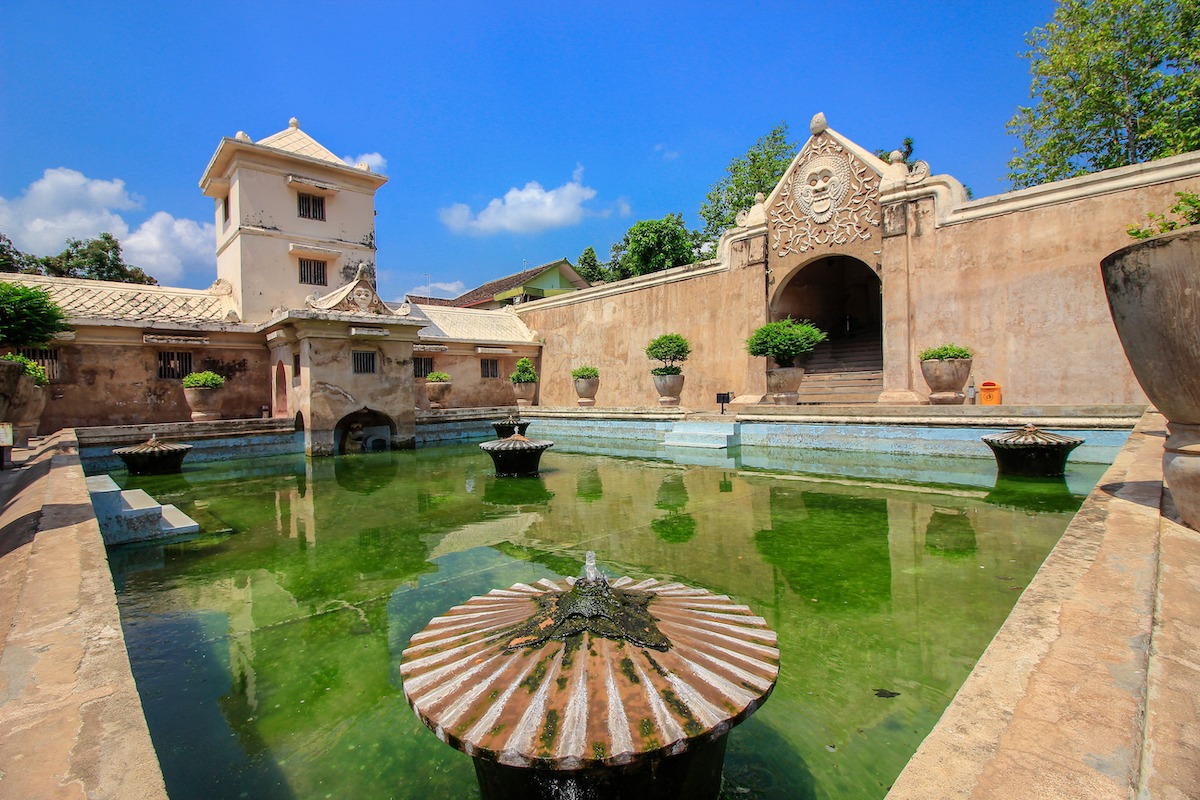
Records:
x=71, y=723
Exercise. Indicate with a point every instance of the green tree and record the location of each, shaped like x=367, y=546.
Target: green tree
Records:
x=589, y=267
x=651, y=245
x=28, y=317
x=759, y=170
x=96, y=259
x=906, y=150
x=1115, y=82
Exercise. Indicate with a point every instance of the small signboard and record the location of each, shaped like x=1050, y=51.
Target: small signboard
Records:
x=6, y=434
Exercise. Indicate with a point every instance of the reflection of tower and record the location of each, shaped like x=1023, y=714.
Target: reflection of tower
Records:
x=295, y=516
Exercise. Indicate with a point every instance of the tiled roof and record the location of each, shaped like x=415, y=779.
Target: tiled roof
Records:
x=293, y=140
x=474, y=325
x=481, y=294
x=429, y=301
x=82, y=299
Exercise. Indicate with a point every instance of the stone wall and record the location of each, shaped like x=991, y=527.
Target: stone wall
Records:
x=110, y=377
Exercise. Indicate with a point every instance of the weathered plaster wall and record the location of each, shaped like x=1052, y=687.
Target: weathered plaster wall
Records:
x=608, y=327
x=110, y=377
x=471, y=390
x=1023, y=290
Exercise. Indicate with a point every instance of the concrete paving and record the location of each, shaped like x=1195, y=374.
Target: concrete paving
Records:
x=71, y=722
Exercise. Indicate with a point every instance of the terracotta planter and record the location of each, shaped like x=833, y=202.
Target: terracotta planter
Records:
x=26, y=410
x=1152, y=289
x=669, y=387
x=10, y=377
x=946, y=378
x=525, y=393
x=437, y=393
x=784, y=383
x=586, y=388
x=205, y=403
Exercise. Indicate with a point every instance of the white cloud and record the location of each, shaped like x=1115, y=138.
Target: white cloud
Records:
x=448, y=290
x=529, y=210
x=375, y=161
x=66, y=204
x=169, y=248
x=623, y=207
x=667, y=153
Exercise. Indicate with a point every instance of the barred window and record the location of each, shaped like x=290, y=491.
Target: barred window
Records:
x=295, y=367
x=311, y=206
x=312, y=272
x=225, y=207
x=364, y=361
x=173, y=365
x=48, y=359
x=422, y=367
x=489, y=368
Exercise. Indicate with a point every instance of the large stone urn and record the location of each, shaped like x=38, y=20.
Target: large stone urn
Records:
x=669, y=387
x=1153, y=289
x=586, y=388
x=204, y=402
x=783, y=383
x=946, y=378
x=525, y=392
x=26, y=410
x=438, y=392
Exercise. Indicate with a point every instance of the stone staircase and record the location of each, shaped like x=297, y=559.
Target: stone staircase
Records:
x=714, y=435
x=131, y=515
x=844, y=371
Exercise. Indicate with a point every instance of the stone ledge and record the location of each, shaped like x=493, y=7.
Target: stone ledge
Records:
x=1057, y=705
x=71, y=722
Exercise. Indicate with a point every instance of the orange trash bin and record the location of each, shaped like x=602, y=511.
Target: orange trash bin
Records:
x=989, y=393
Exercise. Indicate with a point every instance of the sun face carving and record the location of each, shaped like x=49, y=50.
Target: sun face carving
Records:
x=821, y=187
x=831, y=198
x=362, y=297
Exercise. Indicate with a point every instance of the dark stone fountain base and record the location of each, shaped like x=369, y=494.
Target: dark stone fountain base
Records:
x=1031, y=452
x=154, y=457
x=516, y=456
x=694, y=774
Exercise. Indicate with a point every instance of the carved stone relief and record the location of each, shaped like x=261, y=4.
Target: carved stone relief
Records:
x=831, y=198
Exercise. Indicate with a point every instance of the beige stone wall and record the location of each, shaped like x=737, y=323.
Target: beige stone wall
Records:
x=470, y=389
x=110, y=377
x=1023, y=290
x=608, y=327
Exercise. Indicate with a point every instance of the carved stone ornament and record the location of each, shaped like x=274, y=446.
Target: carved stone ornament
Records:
x=830, y=198
x=358, y=297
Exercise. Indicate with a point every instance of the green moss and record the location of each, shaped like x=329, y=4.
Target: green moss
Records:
x=628, y=671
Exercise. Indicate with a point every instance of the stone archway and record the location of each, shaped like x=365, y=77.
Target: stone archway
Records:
x=281, y=397
x=842, y=296
x=364, y=431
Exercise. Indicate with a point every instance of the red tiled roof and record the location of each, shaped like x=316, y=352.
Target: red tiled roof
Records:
x=484, y=293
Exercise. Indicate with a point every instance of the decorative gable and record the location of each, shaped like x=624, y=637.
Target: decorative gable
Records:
x=830, y=196
x=356, y=297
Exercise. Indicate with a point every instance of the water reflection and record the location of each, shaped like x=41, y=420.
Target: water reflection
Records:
x=883, y=597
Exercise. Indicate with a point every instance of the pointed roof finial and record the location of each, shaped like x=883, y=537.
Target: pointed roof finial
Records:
x=896, y=157
x=818, y=124
x=242, y=136
x=293, y=123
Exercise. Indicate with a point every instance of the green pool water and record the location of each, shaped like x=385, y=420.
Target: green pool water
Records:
x=266, y=651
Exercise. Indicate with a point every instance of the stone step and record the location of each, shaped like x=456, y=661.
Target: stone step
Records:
x=713, y=435
x=135, y=503
x=840, y=398
x=174, y=522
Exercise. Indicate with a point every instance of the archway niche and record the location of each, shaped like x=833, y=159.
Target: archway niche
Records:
x=281, y=404
x=364, y=431
x=843, y=297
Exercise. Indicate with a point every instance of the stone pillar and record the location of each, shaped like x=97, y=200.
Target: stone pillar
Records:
x=898, y=355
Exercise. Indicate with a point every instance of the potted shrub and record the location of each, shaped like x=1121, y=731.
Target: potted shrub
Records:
x=28, y=401
x=1152, y=286
x=671, y=349
x=437, y=389
x=203, y=393
x=28, y=318
x=587, y=383
x=524, y=380
x=785, y=341
x=946, y=369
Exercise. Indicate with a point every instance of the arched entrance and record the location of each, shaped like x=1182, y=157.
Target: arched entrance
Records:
x=364, y=431
x=281, y=405
x=843, y=297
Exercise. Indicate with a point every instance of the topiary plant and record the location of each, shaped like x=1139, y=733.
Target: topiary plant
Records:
x=669, y=348
x=203, y=380
x=943, y=352
x=524, y=372
x=785, y=340
x=31, y=367
x=437, y=377
x=585, y=372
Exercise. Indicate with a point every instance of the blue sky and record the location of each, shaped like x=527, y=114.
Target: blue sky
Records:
x=570, y=120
